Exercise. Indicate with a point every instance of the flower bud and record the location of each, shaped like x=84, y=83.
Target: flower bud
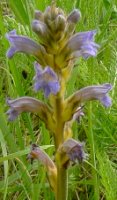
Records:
x=69, y=30
x=74, y=16
x=42, y=31
x=60, y=23
x=57, y=27
x=38, y=15
x=39, y=27
x=47, y=13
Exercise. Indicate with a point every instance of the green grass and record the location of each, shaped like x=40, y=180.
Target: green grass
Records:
x=96, y=179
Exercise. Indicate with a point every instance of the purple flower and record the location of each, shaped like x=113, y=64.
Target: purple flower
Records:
x=27, y=104
x=12, y=114
x=48, y=164
x=96, y=93
x=38, y=153
x=22, y=44
x=76, y=153
x=106, y=100
x=82, y=44
x=73, y=150
x=87, y=94
x=46, y=79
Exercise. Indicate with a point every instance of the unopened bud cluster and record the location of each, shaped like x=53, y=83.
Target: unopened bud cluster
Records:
x=54, y=30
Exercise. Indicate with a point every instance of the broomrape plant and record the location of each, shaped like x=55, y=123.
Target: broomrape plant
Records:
x=55, y=55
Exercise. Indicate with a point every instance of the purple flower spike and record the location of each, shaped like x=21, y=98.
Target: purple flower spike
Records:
x=22, y=44
x=46, y=79
x=82, y=44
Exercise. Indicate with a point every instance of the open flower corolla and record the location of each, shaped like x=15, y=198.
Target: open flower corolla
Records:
x=46, y=79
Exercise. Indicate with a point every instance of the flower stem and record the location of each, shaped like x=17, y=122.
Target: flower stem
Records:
x=62, y=183
x=57, y=103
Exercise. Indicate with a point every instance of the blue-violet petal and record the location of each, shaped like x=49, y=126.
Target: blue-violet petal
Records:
x=46, y=79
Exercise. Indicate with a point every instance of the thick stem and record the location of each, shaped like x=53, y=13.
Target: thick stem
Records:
x=62, y=184
x=58, y=107
x=61, y=171
x=59, y=123
x=59, y=139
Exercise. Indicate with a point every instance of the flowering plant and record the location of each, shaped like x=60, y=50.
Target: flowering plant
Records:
x=55, y=54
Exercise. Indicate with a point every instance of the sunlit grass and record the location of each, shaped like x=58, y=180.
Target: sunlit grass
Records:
x=97, y=178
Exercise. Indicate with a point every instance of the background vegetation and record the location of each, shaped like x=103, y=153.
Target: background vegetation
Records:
x=95, y=179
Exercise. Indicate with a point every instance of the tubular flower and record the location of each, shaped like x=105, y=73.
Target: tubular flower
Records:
x=87, y=94
x=74, y=150
x=12, y=114
x=27, y=104
x=46, y=80
x=23, y=44
x=71, y=151
x=95, y=93
x=40, y=155
x=82, y=44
